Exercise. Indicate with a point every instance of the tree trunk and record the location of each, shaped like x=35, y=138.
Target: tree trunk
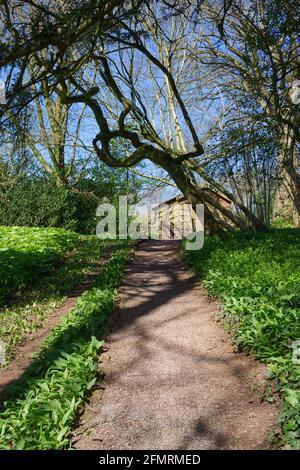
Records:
x=287, y=197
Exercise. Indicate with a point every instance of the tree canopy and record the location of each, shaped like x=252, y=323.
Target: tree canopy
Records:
x=204, y=91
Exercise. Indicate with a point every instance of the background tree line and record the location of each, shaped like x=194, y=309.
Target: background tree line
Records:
x=200, y=94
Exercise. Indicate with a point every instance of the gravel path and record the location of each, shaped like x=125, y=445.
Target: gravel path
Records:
x=171, y=378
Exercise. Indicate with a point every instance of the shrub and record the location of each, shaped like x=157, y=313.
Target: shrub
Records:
x=39, y=202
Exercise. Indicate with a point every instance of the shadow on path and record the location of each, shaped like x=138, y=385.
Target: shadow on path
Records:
x=171, y=378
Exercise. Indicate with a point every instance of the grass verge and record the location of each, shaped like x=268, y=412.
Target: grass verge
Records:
x=27, y=253
x=32, y=306
x=257, y=279
x=41, y=410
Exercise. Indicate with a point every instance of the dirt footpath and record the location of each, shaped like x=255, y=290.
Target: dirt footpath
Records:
x=171, y=378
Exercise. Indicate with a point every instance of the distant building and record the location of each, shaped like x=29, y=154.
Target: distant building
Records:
x=174, y=214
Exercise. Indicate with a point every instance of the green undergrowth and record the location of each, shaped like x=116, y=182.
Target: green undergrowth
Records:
x=257, y=279
x=41, y=409
x=32, y=306
x=27, y=253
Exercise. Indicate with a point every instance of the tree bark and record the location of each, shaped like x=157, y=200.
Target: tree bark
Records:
x=287, y=197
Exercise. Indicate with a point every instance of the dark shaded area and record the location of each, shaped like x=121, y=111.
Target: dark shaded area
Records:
x=18, y=269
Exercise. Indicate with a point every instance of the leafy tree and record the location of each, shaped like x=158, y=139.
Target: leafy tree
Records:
x=254, y=48
x=139, y=48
